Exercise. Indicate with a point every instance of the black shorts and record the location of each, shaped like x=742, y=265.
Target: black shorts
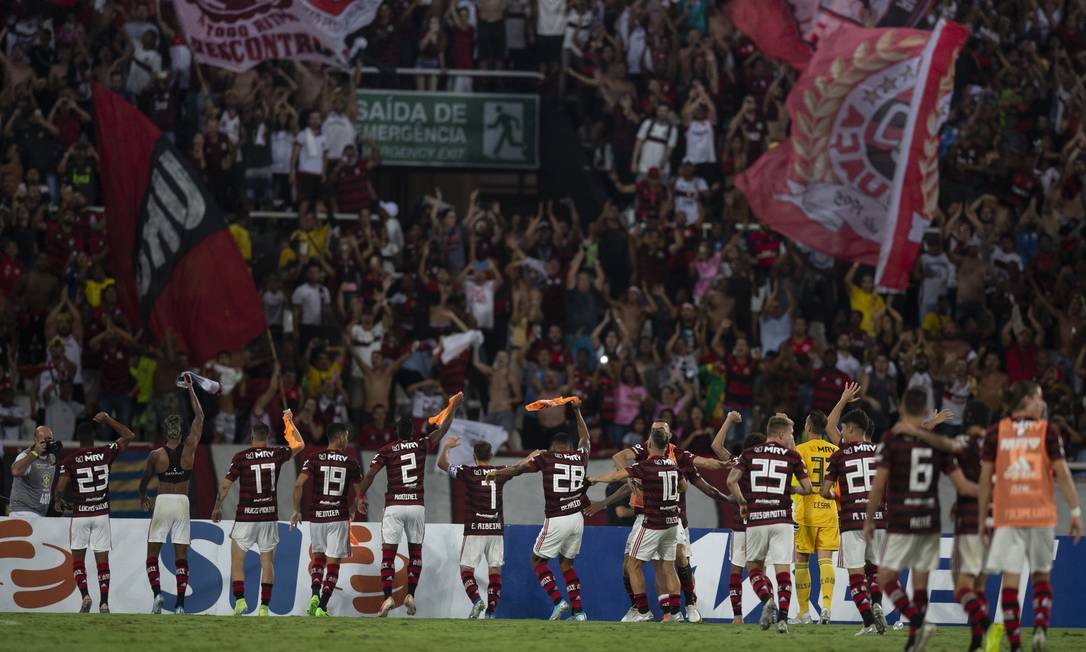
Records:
x=549, y=48
x=491, y=40
x=310, y=187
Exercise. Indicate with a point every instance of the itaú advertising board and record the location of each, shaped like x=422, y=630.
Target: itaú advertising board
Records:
x=35, y=571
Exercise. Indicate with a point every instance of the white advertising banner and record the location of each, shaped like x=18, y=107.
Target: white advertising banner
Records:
x=36, y=571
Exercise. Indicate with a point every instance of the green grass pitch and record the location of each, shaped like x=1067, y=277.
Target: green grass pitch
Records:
x=92, y=632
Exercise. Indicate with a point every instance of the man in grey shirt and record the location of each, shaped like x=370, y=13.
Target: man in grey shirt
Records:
x=33, y=472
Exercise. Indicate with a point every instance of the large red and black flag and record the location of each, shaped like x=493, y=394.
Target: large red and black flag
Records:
x=176, y=264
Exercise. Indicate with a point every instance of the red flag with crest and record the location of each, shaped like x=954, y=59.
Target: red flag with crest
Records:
x=176, y=264
x=858, y=178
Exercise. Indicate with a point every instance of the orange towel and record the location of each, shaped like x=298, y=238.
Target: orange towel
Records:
x=543, y=403
x=290, y=431
x=440, y=416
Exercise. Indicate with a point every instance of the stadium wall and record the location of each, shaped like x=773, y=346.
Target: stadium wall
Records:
x=35, y=573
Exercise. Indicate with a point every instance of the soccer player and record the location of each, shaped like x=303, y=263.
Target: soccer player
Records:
x=852, y=469
x=818, y=532
x=767, y=509
x=404, y=461
x=1021, y=455
x=907, y=476
x=737, y=551
x=334, y=472
x=484, y=525
x=256, y=519
x=87, y=468
x=967, y=562
x=563, y=469
x=173, y=465
x=658, y=535
x=683, y=570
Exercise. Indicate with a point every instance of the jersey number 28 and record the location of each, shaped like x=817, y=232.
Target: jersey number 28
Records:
x=567, y=479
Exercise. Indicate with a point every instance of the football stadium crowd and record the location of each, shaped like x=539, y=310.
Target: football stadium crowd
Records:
x=670, y=302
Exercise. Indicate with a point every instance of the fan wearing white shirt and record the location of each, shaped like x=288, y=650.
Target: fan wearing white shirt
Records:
x=310, y=300
x=699, y=118
x=309, y=162
x=690, y=191
x=338, y=130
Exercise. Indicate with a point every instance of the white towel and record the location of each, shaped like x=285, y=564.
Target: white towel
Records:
x=454, y=345
x=206, y=384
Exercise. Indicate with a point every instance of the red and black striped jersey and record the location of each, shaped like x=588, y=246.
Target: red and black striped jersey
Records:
x=912, y=490
x=258, y=471
x=405, y=465
x=563, y=481
x=852, y=467
x=659, y=481
x=88, y=471
x=770, y=468
x=484, y=513
x=333, y=472
x=966, y=508
x=641, y=453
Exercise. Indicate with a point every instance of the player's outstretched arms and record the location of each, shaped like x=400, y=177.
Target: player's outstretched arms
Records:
x=196, y=430
x=712, y=492
x=850, y=393
x=713, y=465
x=124, y=433
x=290, y=432
x=737, y=494
x=615, y=498
x=584, y=438
x=443, y=460
x=721, y=436
x=512, y=471
x=935, y=440
x=299, y=485
x=623, y=458
x=613, y=476
x=224, y=488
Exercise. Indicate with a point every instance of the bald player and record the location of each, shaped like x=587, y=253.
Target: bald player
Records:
x=173, y=465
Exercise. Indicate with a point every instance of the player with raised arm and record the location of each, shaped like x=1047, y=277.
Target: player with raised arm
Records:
x=685, y=573
x=484, y=525
x=907, y=475
x=658, y=473
x=1020, y=457
x=766, y=507
x=172, y=463
x=737, y=549
x=334, y=472
x=563, y=469
x=256, y=520
x=87, y=470
x=818, y=532
x=852, y=469
x=404, y=461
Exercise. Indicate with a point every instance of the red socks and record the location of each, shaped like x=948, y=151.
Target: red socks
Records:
x=641, y=602
x=900, y=600
x=1042, y=603
x=237, y=587
x=152, y=575
x=331, y=576
x=673, y=600
x=181, y=571
x=856, y=582
x=735, y=593
x=784, y=594
x=546, y=580
x=414, y=566
x=873, y=588
x=686, y=580
x=1012, y=617
x=573, y=589
x=316, y=573
x=79, y=569
x=467, y=577
x=388, y=568
x=265, y=593
x=760, y=584
x=975, y=609
x=493, y=593
x=103, y=582
x=664, y=600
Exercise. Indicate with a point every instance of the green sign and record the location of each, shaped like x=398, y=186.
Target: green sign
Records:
x=481, y=130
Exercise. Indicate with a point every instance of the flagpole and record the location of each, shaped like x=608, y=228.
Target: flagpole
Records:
x=275, y=358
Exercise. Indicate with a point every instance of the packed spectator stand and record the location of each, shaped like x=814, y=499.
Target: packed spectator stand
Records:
x=667, y=301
